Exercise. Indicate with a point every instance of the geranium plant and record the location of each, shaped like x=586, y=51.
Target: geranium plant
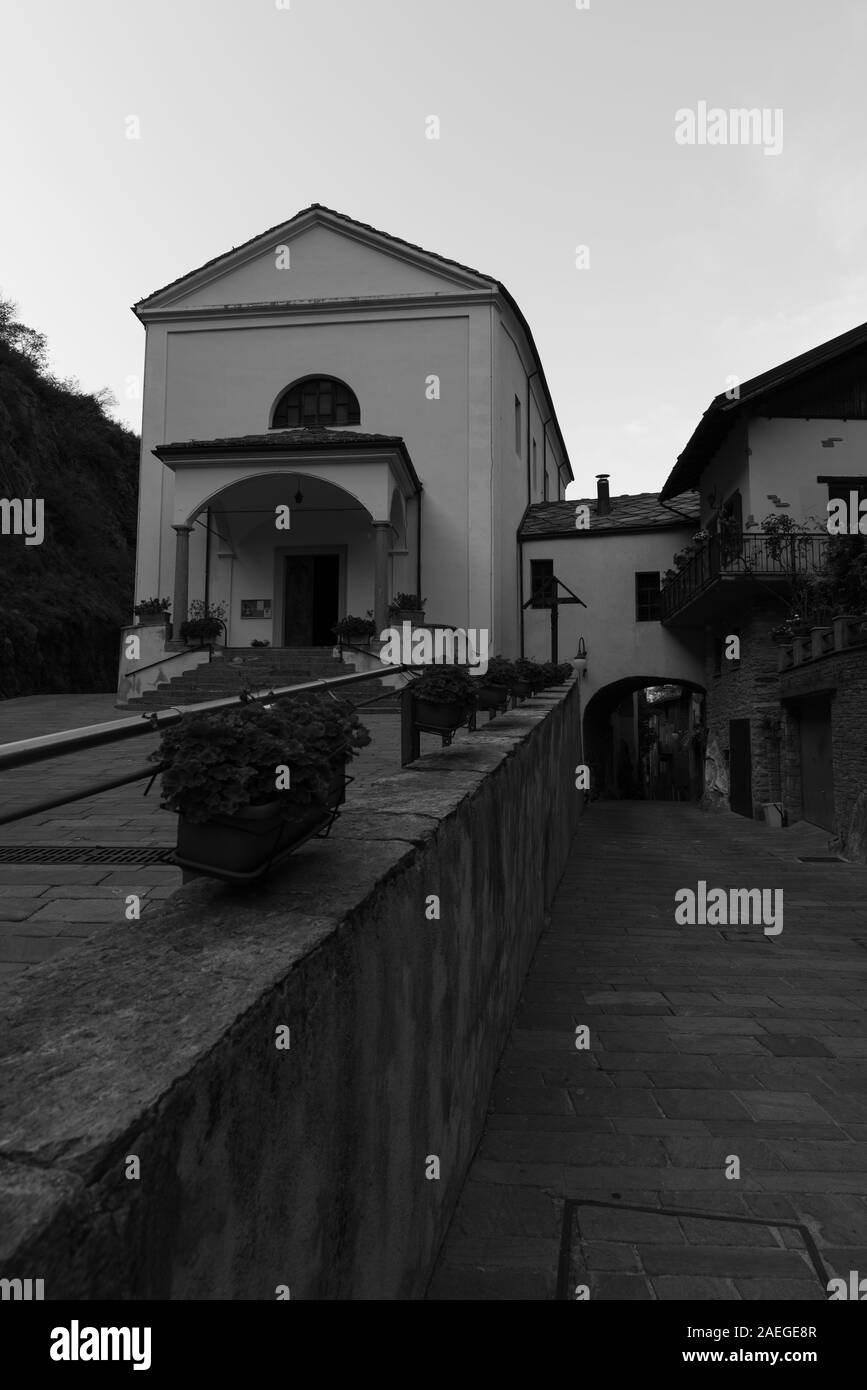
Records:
x=349, y=627
x=532, y=673
x=205, y=623
x=218, y=763
x=500, y=672
x=446, y=685
x=406, y=603
x=150, y=607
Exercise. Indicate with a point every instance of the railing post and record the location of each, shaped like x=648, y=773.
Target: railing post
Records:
x=410, y=738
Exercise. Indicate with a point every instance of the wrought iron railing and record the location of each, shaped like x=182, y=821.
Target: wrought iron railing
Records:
x=755, y=553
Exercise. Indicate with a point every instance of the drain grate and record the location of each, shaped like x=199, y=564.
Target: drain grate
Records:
x=571, y=1270
x=85, y=854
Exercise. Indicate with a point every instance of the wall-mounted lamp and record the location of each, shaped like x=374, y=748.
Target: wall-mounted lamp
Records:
x=579, y=660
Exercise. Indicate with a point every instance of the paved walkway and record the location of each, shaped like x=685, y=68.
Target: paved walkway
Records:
x=47, y=908
x=706, y=1044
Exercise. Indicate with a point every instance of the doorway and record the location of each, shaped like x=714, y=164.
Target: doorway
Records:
x=311, y=595
x=817, y=779
x=740, y=768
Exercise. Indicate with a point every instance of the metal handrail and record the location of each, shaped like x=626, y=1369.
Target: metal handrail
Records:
x=752, y=554
x=45, y=746
x=164, y=661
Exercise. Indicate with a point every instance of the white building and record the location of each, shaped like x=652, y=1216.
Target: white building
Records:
x=391, y=399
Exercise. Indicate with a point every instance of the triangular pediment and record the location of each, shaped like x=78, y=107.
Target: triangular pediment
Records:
x=317, y=255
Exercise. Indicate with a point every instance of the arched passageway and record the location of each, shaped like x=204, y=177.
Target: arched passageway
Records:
x=644, y=739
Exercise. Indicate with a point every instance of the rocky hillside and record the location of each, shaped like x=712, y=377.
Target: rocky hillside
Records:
x=62, y=602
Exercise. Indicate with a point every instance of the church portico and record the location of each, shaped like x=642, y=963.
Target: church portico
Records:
x=291, y=531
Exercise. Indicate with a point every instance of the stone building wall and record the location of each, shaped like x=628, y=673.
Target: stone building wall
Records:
x=746, y=689
x=843, y=674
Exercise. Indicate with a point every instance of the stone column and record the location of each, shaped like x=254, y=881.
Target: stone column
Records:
x=382, y=537
x=182, y=579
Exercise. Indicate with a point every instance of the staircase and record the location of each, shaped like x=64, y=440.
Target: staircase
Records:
x=257, y=669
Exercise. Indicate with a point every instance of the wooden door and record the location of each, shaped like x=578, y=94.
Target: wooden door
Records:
x=817, y=778
x=311, y=600
x=740, y=768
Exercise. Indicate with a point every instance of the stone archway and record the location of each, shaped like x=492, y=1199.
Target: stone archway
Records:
x=634, y=756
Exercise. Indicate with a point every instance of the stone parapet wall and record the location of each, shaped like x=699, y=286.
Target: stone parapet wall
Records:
x=308, y=1167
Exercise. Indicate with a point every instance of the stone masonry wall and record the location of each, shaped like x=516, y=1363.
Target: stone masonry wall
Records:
x=748, y=689
x=303, y=1167
x=844, y=675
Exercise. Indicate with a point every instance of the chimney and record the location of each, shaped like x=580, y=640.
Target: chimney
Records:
x=603, y=499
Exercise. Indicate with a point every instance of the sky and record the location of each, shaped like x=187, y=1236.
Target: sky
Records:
x=559, y=128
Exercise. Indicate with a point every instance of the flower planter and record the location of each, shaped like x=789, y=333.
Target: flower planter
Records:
x=407, y=615
x=438, y=718
x=242, y=847
x=153, y=619
x=492, y=697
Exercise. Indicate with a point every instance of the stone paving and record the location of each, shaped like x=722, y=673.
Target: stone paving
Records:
x=49, y=908
x=705, y=1043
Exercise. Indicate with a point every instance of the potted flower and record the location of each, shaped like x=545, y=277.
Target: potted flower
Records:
x=251, y=783
x=153, y=612
x=407, y=608
x=494, y=687
x=205, y=623
x=530, y=678
x=444, y=698
x=350, y=629
x=786, y=632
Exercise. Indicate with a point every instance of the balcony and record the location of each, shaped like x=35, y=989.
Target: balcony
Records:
x=726, y=569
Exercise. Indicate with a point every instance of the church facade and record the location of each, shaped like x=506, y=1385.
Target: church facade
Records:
x=332, y=416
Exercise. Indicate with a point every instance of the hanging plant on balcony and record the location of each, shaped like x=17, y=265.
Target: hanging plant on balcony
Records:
x=787, y=631
x=787, y=541
x=444, y=698
x=251, y=783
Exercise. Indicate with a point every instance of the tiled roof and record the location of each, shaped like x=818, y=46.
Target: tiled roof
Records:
x=294, y=441
x=343, y=217
x=724, y=410
x=409, y=246
x=639, y=511
x=301, y=438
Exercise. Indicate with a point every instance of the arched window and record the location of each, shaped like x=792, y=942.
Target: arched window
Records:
x=317, y=400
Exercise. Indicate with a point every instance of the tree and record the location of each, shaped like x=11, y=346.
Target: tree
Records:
x=32, y=345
